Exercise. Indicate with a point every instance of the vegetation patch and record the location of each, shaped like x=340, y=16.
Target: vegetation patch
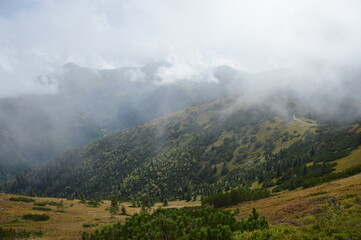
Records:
x=88, y=225
x=332, y=220
x=185, y=223
x=36, y=217
x=21, y=199
x=235, y=196
x=332, y=176
x=16, y=234
x=42, y=209
x=50, y=203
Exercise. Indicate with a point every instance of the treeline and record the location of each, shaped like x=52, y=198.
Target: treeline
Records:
x=332, y=176
x=194, y=223
x=235, y=196
x=309, y=158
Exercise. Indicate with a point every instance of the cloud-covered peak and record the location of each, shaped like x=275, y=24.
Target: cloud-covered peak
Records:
x=38, y=37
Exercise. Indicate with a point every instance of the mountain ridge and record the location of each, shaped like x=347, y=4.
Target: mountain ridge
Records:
x=198, y=150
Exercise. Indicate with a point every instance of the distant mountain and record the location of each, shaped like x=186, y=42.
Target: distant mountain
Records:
x=91, y=104
x=236, y=141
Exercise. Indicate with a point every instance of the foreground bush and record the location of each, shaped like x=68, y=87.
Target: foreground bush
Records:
x=15, y=234
x=186, y=223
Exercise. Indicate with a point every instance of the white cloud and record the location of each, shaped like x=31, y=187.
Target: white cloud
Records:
x=254, y=35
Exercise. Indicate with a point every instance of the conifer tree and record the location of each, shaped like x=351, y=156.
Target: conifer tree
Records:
x=124, y=210
x=114, y=206
x=165, y=202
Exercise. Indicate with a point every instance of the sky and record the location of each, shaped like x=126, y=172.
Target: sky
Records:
x=39, y=36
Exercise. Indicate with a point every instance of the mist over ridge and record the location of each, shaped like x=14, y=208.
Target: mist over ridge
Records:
x=72, y=72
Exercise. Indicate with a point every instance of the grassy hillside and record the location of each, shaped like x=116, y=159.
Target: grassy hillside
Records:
x=328, y=211
x=293, y=214
x=203, y=149
x=67, y=222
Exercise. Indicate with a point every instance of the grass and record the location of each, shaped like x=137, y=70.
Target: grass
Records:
x=64, y=225
x=296, y=205
x=290, y=212
x=256, y=185
x=349, y=161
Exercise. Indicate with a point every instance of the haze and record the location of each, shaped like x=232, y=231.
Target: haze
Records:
x=39, y=36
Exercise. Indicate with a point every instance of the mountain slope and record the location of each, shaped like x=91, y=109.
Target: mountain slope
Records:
x=91, y=104
x=202, y=149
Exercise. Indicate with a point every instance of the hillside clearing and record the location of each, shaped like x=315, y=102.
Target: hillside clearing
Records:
x=68, y=224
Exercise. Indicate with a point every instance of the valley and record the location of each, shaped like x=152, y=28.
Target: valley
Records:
x=180, y=120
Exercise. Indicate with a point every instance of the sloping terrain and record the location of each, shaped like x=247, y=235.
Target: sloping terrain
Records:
x=68, y=221
x=235, y=141
x=288, y=212
x=328, y=211
x=88, y=105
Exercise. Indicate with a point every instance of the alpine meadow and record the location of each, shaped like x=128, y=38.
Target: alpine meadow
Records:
x=193, y=120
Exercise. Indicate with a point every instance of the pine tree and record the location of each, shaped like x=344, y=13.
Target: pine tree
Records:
x=305, y=170
x=114, y=206
x=82, y=198
x=165, y=202
x=188, y=197
x=124, y=210
x=225, y=169
x=195, y=197
x=313, y=151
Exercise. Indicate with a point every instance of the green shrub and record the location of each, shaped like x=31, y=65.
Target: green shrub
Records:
x=36, y=217
x=331, y=176
x=42, y=209
x=87, y=225
x=40, y=204
x=21, y=199
x=50, y=203
x=15, y=234
x=194, y=223
x=235, y=196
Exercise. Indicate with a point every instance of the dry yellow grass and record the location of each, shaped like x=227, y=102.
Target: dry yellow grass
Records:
x=297, y=204
x=64, y=225
x=349, y=161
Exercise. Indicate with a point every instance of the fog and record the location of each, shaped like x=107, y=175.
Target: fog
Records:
x=73, y=71
x=39, y=36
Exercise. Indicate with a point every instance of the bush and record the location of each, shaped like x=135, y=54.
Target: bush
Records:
x=235, y=196
x=15, y=234
x=50, y=203
x=36, y=217
x=93, y=203
x=21, y=199
x=331, y=176
x=88, y=225
x=194, y=223
x=42, y=209
x=40, y=204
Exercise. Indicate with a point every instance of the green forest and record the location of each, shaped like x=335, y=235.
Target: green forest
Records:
x=199, y=151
